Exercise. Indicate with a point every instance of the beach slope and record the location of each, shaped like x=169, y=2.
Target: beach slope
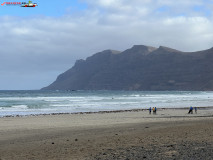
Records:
x=171, y=134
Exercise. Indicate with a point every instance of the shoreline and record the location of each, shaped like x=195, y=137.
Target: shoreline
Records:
x=110, y=111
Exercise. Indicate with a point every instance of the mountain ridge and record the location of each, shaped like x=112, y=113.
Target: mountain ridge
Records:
x=140, y=68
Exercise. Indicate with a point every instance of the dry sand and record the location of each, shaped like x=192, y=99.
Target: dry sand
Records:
x=171, y=134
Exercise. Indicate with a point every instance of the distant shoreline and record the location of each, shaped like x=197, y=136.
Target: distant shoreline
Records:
x=113, y=111
x=33, y=103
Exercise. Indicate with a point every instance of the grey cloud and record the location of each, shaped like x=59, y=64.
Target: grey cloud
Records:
x=35, y=50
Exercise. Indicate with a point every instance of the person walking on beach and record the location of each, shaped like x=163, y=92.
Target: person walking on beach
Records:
x=190, y=110
x=195, y=110
x=150, y=110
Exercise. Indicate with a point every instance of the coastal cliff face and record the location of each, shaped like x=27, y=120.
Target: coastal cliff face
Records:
x=140, y=68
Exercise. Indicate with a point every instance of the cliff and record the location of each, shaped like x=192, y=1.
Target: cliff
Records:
x=140, y=68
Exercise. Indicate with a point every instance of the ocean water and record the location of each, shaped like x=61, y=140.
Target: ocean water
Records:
x=46, y=102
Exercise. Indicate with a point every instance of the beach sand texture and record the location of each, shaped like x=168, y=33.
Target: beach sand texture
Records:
x=171, y=134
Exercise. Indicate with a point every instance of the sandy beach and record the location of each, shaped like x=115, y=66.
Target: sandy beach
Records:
x=170, y=134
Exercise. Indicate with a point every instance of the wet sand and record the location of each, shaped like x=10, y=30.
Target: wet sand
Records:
x=171, y=134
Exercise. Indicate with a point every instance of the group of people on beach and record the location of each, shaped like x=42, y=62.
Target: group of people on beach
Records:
x=154, y=109
x=191, y=110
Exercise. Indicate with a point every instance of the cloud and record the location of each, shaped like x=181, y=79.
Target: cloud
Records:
x=39, y=48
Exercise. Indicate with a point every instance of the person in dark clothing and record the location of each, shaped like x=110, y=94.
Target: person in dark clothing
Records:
x=150, y=110
x=190, y=110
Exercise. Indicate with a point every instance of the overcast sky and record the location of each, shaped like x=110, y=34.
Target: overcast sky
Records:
x=37, y=44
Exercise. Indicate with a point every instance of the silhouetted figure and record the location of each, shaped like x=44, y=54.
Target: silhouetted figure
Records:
x=150, y=110
x=195, y=110
x=190, y=110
